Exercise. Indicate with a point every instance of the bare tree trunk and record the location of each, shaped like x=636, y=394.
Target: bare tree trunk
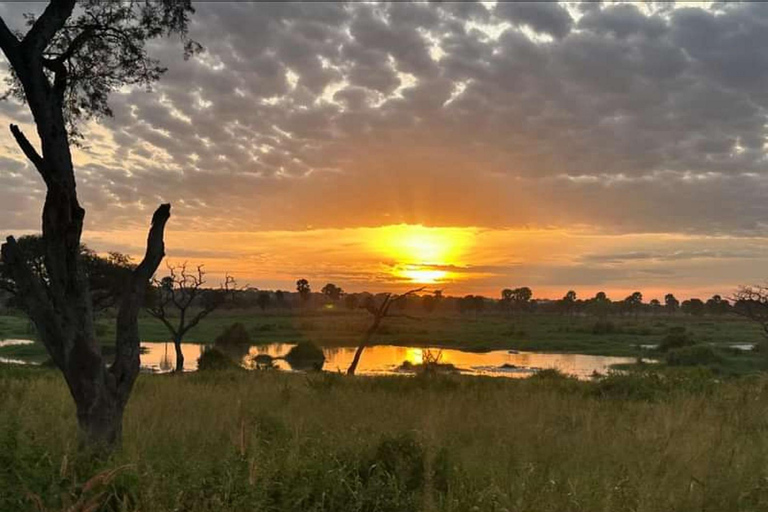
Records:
x=61, y=307
x=179, y=355
x=363, y=343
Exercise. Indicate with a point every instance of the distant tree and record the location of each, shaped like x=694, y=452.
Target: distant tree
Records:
x=177, y=294
x=302, y=286
x=351, y=301
x=671, y=304
x=695, y=307
x=717, y=305
x=568, y=302
x=263, y=300
x=522, y=295
x=379, y=312
x=280, y=298
x=332, y=291
x=600, y=305
x=634, y=302
x=506, y=295
x=655, y=306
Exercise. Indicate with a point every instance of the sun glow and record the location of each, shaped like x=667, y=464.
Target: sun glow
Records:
x=421, y=254
x=423, y=276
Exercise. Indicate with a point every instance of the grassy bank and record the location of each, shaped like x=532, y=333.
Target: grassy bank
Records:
x=271, y=441
x=618, y=336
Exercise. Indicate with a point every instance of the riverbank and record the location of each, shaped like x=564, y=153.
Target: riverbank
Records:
x=278, y=441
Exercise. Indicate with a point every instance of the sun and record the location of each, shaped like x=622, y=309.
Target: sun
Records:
x=420, y=254
x=422, y=276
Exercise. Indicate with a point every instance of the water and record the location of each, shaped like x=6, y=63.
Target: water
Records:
x=8, y=343
x=386, y=359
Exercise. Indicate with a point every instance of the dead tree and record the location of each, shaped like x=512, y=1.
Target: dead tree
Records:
x=752, y=302
x=64, y=68
x=379, y=313
x=179, y=291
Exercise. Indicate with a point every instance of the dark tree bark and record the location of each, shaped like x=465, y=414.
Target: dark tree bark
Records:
x=62, y=312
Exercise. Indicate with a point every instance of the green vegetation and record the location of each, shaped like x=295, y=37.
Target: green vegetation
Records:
x=619, y=335
x=677, y=440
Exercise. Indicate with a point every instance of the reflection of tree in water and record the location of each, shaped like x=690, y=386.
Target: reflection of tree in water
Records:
x=238, y=352
x=166, y=364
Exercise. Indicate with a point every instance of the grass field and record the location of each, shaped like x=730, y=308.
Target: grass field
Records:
x=542, y=333
x=220, y=441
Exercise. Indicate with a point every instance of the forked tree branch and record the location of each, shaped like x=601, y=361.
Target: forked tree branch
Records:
x=127, y=363
x=51, y=21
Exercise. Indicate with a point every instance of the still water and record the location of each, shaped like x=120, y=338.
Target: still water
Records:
x=386, y=359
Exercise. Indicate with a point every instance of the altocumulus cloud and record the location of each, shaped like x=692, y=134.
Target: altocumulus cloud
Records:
x=621, y=117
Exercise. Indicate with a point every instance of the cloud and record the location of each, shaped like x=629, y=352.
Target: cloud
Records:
x=625, y=119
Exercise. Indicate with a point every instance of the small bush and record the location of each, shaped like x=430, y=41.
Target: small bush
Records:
x=235, y=334
x=695, y=355
x=306, y=356
x=677, y=337
x=214, y=359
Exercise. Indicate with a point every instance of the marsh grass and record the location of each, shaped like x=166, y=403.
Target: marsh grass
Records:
x=272, y=441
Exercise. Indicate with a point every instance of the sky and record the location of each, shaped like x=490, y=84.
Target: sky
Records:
x=466, y=146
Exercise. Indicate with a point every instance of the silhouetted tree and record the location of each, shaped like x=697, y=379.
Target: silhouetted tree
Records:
x=506, y=299
x=174, y=297
x=107, y=276
x=634, y=302
x=64, y=68
x=521, y=298
x=600, y=305
x=717, y=305
x=379, y=312
x=332, y=291
x=693, y=307
x=671, y=304
x=568, y=302
x=262, y=300
x=752, y=303
x=305, y=292
x=655, y=306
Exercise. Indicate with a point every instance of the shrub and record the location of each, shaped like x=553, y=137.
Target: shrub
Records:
x=306, y=356
x=235, y=334
x=677, y=337
x=695, y=355
x=214, y=359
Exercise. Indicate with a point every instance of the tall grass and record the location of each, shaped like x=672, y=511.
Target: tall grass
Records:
x=237, y=440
